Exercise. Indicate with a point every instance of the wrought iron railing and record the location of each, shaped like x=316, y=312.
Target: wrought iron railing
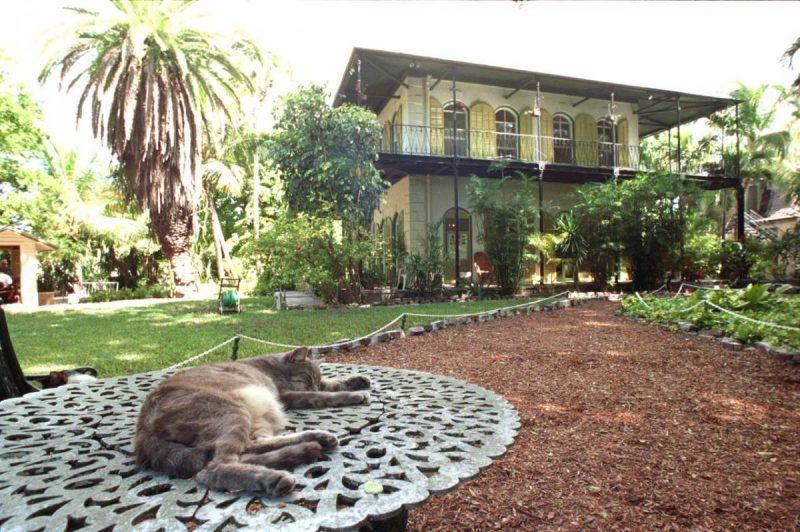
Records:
x=425, y=140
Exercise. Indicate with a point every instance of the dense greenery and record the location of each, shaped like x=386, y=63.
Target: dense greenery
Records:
x=643, y=219
x=121, y=341
x=755, y=301
x=509, y=218
x=330, y=188
x=426, y=268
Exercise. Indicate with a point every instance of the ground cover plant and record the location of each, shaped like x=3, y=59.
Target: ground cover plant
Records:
x=756, y=302
x=119, y=341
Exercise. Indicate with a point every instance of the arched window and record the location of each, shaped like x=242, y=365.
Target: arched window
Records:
x=605, y=139
x=455, y=112
x=562, y=139
x=464, y=238
x=505, y=122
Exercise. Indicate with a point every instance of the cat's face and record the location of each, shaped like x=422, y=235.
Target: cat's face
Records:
x=302, y=373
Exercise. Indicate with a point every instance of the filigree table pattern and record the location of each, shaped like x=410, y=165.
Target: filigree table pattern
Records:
x=66, y=457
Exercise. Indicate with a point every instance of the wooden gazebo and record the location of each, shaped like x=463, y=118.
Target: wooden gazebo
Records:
x=20, y=250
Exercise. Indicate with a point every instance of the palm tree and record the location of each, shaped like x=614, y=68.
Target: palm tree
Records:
x=571, y=244
x=789, y=56
x=153, y=85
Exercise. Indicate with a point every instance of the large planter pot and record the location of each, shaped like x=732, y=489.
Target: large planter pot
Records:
x=46, y=298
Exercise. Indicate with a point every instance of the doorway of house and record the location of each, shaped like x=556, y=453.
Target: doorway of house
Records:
x=465, y=241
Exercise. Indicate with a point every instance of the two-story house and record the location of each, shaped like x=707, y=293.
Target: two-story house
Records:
x=444, y=121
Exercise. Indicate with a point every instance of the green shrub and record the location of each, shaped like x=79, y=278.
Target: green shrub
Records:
x=766, y=303
x=142, y=292
x=426, y=269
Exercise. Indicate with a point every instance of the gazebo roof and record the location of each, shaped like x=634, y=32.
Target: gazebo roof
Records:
x=383, y=72
x=40, y=244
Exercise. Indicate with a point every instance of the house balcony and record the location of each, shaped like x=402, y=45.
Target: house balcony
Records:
x=523, y=151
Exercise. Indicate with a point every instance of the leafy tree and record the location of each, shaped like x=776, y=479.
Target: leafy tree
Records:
x=644, y=222
x=152, y=84
x=509, y=221
x=326, y=157
x=21, y=140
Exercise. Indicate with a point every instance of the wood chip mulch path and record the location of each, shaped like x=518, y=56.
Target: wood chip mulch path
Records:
x=624, y=426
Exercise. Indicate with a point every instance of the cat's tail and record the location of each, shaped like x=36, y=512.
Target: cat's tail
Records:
x=167, y=456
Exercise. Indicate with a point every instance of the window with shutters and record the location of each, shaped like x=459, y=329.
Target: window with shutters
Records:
x=562, y=139
x=505, y=122
x=455, y=128
x=605, y=139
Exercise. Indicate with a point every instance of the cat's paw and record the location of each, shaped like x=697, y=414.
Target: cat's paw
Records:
x=360, y=398
x=277, y=483
x=326, y=439
x=359, y=382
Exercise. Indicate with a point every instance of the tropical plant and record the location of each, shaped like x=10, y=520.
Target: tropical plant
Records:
x=426, y=268
x=311, y=249
x=571, y=245
x=153, y=83
x=789, y=56
x=325, y=157
x=509, y=221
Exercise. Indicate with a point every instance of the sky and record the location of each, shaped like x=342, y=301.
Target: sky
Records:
x=698, y=47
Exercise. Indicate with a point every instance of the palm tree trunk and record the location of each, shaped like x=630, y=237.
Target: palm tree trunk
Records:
x=174, y=231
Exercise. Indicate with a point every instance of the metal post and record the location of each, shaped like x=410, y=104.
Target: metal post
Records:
x=538, y=111
x=678, y=109
x=669, y=149
x=235, y=352
x=739, y=187
x=613, y=133
x=359, y=90
x=455, y=182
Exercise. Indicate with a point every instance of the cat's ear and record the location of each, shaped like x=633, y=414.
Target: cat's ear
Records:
x=298, y=355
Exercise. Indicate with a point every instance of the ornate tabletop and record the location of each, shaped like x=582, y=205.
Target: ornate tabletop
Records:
x=66, y=458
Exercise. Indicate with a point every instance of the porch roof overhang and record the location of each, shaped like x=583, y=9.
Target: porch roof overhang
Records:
x=383, y=72
x=396, y=166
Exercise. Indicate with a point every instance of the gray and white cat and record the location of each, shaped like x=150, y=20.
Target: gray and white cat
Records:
x=219, y=422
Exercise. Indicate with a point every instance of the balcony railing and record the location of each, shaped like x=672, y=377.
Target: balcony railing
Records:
x=489, y=145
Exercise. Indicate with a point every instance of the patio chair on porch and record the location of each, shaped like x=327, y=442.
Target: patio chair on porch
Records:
x=13, y=383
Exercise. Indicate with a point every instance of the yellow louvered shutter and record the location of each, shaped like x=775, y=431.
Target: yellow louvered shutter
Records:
x=586, y=140
x=547, y=136
x=437, y=127
x=526, y=140
x=482, y=131
x=387, y=137
x=623, y=149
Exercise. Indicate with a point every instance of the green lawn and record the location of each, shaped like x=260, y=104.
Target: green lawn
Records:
x=133, y=340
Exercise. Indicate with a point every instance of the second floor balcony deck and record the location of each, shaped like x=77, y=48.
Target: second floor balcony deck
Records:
x=414, y=140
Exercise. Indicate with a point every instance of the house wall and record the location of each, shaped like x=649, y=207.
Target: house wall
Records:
x=427, y=198
x=395, y=202
x=414, y=102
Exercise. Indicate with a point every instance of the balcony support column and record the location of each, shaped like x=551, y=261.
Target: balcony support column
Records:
x=455, y=184
x=678, y=111
x=739, y=187
x=613, y=119
x=537, y=109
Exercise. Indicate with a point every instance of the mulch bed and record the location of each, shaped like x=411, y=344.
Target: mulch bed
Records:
x=624, y=426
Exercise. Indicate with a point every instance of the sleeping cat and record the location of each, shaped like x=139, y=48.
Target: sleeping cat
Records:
x=219, y=422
